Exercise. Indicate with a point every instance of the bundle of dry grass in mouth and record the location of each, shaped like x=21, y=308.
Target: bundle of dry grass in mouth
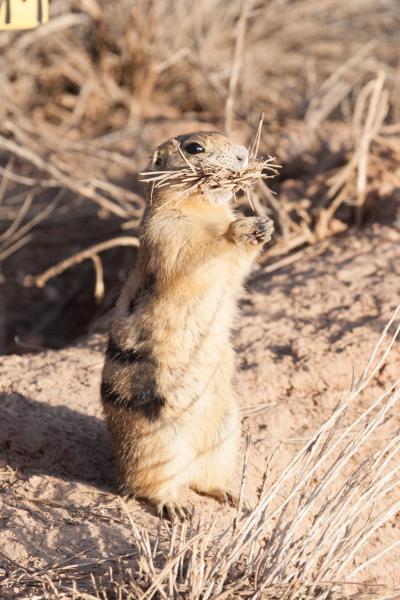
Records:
x=207, y=177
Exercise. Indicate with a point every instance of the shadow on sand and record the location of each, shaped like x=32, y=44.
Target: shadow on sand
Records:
x=37, y=438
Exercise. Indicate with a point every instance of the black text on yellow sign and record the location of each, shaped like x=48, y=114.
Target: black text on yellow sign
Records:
x=23, y=14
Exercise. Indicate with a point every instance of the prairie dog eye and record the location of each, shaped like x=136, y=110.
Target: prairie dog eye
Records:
x=157, y=159
x=194, y=148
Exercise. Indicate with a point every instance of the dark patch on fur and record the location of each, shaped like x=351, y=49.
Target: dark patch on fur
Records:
x=146, y=401
x=150, y=403
x=132, y=306
x=117, y=354
x=149, y=283
x=109, y=396
x=143, y=293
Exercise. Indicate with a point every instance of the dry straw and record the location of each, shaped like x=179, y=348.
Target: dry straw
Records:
x=205, y=177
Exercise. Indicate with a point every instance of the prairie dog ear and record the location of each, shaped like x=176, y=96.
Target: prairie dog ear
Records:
x=157, y=159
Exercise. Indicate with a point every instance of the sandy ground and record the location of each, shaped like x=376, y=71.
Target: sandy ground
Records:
x=300, y=330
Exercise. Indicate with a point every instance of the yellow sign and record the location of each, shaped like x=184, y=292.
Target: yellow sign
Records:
x=23, y=14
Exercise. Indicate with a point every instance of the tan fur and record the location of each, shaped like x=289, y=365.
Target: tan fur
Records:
x=167, y=389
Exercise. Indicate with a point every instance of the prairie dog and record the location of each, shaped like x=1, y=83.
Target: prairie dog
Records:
x=167, y=386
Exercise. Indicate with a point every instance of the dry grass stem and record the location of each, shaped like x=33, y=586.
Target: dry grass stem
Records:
x=236, y=64
x=204, y=177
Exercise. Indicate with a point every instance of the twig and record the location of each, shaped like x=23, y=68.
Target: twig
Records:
x=43, y=278
x=236, y=64
x=256, y=143
x=19, y=218
x=16, y=246
x=99, y=287
x=4, y=181
x=243, y=480
x=376, y=113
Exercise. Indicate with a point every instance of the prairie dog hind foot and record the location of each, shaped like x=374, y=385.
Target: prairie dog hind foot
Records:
x=172, y=511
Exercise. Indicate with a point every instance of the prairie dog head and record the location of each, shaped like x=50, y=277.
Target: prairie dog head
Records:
x=207, y=147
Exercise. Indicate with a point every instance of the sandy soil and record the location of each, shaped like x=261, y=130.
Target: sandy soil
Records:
x=300, y=330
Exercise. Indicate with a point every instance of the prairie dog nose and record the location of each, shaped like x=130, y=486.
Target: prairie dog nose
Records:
x=242, y=155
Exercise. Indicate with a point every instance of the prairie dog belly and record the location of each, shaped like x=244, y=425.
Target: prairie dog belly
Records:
x=192, y=314
x=190, y=339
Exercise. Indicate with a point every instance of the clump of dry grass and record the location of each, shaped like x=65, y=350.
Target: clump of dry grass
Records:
x=204, y=177
x=304, y=538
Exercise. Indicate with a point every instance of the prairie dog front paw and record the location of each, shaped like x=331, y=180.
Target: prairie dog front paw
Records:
x=251, y=230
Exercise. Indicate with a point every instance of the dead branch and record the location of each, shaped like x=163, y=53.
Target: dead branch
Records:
x=236, y=64
x=89, y=253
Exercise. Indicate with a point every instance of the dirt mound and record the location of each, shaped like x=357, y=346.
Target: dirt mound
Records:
x=300, y=331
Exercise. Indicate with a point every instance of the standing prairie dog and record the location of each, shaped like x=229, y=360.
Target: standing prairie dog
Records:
x=167, y=386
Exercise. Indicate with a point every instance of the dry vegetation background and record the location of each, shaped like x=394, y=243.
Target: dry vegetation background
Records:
x=83, y=101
